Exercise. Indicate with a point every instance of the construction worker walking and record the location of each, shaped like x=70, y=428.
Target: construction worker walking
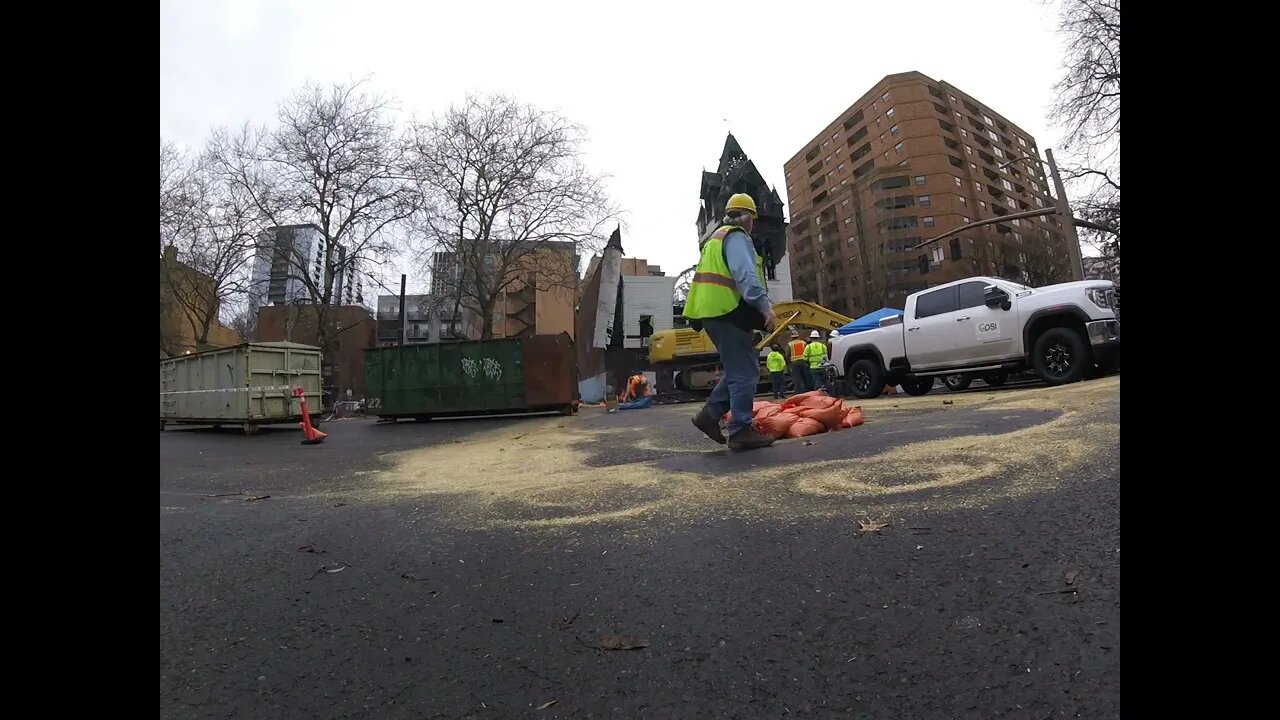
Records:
x=816, y=354
x=800, y=380
x=728, y=299
x=777, y=364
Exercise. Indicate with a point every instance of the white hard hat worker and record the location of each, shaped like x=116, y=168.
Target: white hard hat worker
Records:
x=815, y=335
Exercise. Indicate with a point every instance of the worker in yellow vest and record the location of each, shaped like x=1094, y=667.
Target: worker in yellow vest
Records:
x=816, y=354
x=728, y=300
x=777, y=364
x=801, y=381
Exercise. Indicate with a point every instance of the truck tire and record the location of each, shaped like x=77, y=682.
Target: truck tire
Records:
x=917, y=386
x=1061, y=356
x=865, y=379
x=957, y=382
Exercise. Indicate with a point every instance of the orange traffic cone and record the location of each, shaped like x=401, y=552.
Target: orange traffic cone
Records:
x=311, y=436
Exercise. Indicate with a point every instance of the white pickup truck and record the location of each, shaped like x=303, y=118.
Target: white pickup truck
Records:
x=986, y=328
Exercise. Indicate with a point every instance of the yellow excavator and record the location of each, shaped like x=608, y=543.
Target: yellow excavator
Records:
x=691, y=359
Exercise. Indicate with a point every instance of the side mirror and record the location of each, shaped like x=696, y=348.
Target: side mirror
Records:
x=993, y=296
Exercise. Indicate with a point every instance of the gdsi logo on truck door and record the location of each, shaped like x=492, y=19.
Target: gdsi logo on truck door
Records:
x=988, y=330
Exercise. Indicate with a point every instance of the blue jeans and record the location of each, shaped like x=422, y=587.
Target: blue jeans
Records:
x=779, y=383
x=736, y=390
x=801, y=377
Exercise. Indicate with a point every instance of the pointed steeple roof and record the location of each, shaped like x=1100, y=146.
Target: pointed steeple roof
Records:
x=731, y=156
x=615, y=240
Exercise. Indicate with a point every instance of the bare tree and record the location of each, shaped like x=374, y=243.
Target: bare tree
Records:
x=207, y=228
x=509, y=206
x=335, y=160
x=1087, y=108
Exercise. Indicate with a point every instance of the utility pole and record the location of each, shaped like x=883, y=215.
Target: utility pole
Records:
x=404, y=324
x=1068, y=220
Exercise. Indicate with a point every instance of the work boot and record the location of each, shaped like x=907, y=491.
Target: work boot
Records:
x=708, y=424
x=748, y=438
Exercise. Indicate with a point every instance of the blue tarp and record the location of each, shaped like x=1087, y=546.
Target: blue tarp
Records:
x=870, y=321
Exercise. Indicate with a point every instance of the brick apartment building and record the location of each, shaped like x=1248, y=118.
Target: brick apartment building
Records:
x=912, y=158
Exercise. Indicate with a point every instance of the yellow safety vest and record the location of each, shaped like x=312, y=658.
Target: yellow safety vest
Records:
x=713, y=292
x=775, y=362
x=815, y=352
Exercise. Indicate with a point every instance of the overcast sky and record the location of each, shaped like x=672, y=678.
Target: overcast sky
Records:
x=649, y=81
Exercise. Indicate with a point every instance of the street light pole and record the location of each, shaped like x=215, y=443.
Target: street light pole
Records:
x=1068, y=220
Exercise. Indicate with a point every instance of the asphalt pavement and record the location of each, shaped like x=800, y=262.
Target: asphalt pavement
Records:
x=958, y=556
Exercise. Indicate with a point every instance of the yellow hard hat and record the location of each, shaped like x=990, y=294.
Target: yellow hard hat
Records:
x=741, y=201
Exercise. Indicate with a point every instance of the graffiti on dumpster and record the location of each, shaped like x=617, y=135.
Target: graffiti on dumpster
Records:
x=491, y=368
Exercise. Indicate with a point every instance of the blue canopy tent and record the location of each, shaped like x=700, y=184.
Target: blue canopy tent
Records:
x=870, y=321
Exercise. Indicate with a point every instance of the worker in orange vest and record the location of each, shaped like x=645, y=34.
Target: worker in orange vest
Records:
x=637, y=387
x=801, y=378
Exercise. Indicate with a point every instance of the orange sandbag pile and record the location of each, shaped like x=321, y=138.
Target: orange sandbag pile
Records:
x=803, y=415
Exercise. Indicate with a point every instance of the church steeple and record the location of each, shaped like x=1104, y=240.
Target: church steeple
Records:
x=737, y=174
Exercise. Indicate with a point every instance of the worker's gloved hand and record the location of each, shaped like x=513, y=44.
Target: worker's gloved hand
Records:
x=770, y=320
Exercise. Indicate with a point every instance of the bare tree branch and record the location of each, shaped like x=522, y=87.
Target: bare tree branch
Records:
x=337, y=161
x=508, y=201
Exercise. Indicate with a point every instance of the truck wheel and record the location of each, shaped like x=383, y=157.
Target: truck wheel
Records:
x=250, y=429
x=1061, y=356
x=917, y=386
x=957, y=382
x=866, y=381
x=995, y=379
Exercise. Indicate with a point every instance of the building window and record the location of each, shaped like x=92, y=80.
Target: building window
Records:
x=987, y=119
x=889, y=114
x=963, y=200
x=893, y=130
x=993, y=136
x=886, y=156
x=898, y=147
x=844, y=182
x=825, y=144
x=879, y=119
x=965, y=220
x=983, y=204
x=977, y=186
x=1007, y=185
x=959, y=117
x=1022, y=142
x=840, y=167
x=953, y=98
x=937, y=255
x=1018, y=237
x=848, y=220
x=846, y=202
x=881, y=137
x=964, y=133
x=835, y=135
x=955, y=248
x=999, y=153
x=974, y=168
x=957, y=181
x=927, y=221
x=1017, y=222
x=902, y=164
x=1039, y=202
x=1013, y=204
x=968, y=150
x=925, y=200
x=920, y=179
x=885, y=96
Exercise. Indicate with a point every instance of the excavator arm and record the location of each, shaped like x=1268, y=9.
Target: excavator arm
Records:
x=804, y=314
